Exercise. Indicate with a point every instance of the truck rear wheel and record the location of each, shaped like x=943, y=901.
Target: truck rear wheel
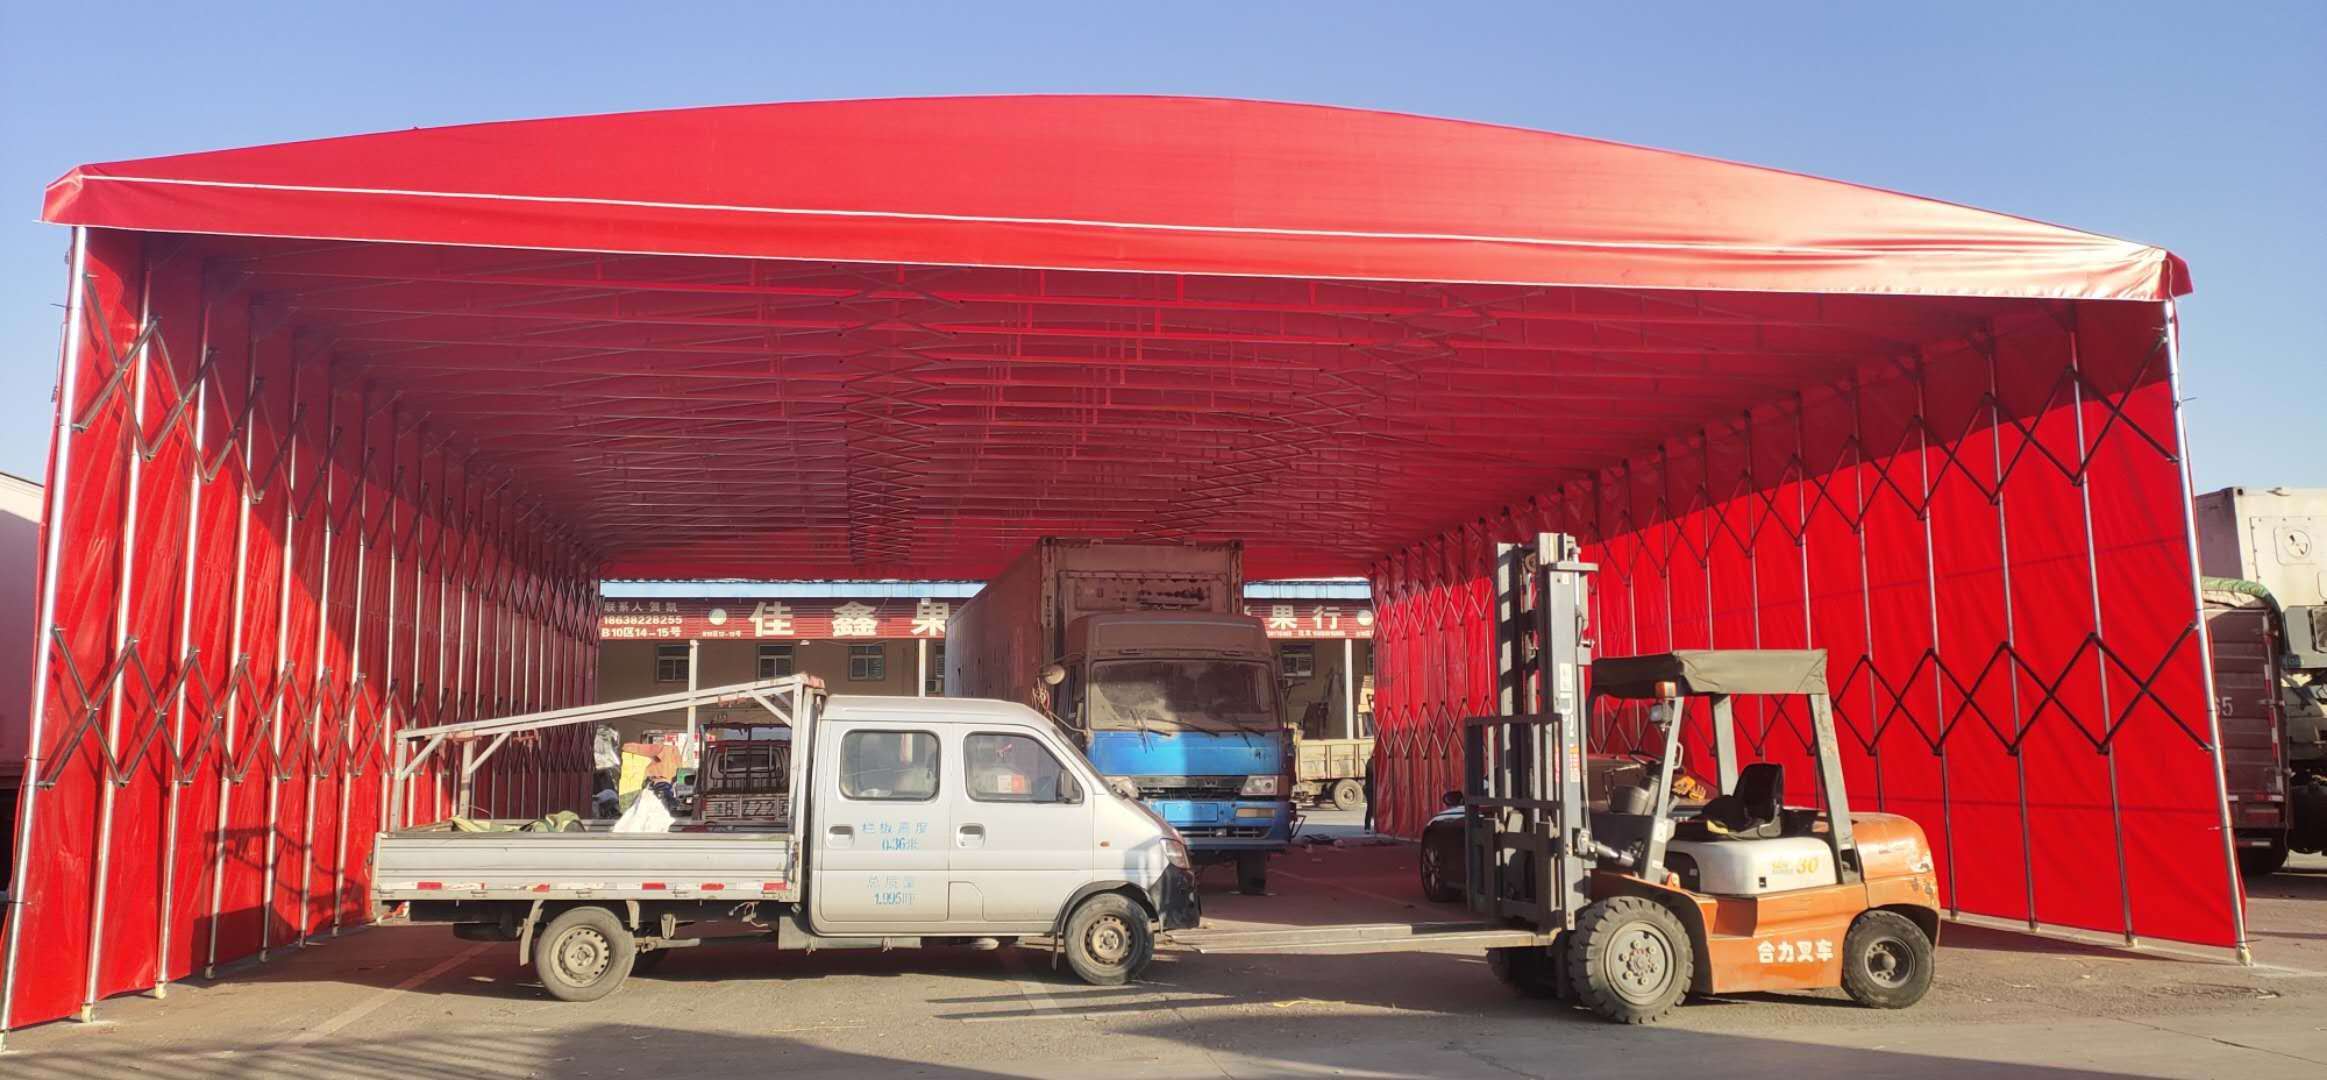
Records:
x=584, y=954
x=1630, y=959
x=1348, y=795
x=1108, y=942
x=2262, y=861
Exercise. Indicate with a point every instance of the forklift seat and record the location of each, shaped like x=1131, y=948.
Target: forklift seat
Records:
x=1754, y=810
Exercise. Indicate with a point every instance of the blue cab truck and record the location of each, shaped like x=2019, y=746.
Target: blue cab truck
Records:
x=1142, y=652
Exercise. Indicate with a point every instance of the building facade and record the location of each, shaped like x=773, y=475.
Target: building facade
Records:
x=895, y=644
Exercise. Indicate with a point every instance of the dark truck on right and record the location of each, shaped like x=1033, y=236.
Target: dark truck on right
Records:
x=2263, y=552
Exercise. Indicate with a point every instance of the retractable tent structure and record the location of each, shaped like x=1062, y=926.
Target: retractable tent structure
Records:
x=348, y=428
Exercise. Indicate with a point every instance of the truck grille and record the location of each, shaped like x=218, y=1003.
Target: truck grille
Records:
x=1189, y=787
x=1224, y=832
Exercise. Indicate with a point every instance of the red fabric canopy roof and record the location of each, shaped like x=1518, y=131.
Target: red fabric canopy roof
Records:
x=1184, y=185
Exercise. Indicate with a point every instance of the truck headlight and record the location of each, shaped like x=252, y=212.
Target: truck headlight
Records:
x=1176, y=853
x=1262, y=785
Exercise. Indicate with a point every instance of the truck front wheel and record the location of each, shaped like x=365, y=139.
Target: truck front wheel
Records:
x=583, y=954
x=1252, y=873
x=1108, y=941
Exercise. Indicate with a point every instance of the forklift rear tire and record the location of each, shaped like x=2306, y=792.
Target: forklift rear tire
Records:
x=584, y=954
x=1886, y=961
x=1348, y=795
x=1252, y=873
x=1108, y=942
x=1630, y=959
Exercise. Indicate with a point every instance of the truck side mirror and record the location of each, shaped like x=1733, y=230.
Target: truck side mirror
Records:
x=1053, y=674
x=1123, y=787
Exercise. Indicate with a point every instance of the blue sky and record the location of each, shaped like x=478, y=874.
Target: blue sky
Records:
x=2203, y=130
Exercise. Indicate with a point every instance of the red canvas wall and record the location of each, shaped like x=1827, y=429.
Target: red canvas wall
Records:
x=260, y=568
x=1987, y=537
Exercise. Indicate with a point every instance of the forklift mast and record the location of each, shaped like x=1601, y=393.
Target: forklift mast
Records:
x=1526, y=820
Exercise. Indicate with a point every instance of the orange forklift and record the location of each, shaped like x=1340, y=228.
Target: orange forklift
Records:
x=1641, y=895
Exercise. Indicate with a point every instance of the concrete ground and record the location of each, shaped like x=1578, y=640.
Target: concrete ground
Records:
x=404, y=1002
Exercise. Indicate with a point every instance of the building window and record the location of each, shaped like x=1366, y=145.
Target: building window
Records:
x=670, y=663
x=1297, y=661
x=775, y=661
x=934, y=685
x=868, y=663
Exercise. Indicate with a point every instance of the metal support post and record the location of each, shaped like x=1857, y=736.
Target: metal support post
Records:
x=2100, y=659
x=68, y=393
x=178, y=777
x=694, y=682
x=1349, y=688
x=2173, y=359
x=1725, y=742
x=108, y=790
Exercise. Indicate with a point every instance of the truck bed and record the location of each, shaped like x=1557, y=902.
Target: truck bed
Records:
x=437, y=863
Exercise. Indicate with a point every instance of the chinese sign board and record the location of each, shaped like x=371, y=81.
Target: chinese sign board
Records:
x=772, y=619
x=873, y=618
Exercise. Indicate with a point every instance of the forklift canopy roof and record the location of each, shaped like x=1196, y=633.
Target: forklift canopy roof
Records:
x=1712, y=671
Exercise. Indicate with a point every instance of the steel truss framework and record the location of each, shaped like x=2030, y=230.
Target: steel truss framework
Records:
x=306, y=488
x=697, y=417
x=277, y=565
x=1989, y=536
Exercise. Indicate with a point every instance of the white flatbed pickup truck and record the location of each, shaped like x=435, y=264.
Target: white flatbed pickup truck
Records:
x=914, y=821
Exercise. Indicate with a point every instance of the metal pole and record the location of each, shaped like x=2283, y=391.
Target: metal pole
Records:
x=2100, y=660
x=1349, y=688
x=288, y=470
x=1866, y=611
x=235, y=657
x=2173, y=367
x=60, y=482
x=320, y=665
x=108, y=789
x=694, y=681
x=186, y=658
x=1931, y=594
x=355, y=658
x=921, y=668
x=2011, y=636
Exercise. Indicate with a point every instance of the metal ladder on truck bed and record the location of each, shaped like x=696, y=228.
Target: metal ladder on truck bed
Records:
x=791, y=700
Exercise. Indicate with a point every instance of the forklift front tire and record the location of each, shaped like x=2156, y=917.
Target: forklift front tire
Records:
x=1886, y=961
x=1629, y=959
x=584, y=954
x=1532, y=970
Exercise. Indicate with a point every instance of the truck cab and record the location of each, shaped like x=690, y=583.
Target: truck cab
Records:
x=1183, y=707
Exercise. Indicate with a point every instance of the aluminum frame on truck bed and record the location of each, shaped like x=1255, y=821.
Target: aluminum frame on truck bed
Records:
x=435, y=863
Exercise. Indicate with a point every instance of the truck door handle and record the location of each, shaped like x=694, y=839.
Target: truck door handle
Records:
x=840, y=836
x=970, y=836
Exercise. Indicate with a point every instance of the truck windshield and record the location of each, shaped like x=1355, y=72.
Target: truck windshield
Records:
x=1167, y=695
